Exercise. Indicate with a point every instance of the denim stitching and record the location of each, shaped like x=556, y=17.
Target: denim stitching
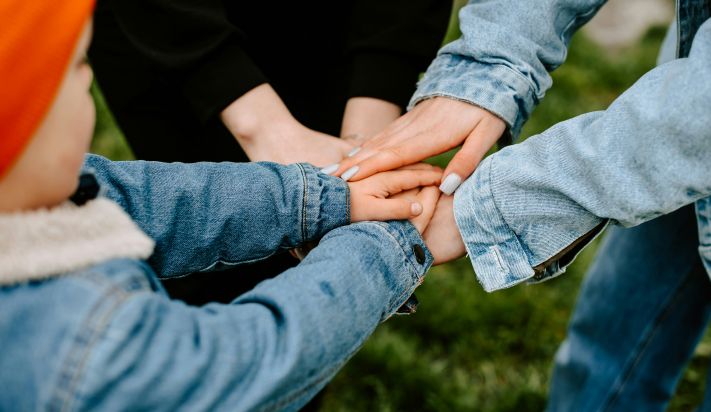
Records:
x=76, y=360
x=304, y=200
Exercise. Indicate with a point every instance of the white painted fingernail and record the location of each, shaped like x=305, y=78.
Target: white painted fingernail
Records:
x=350, y=173
x=353, y=152
x=450, y=184
x=330, y=168
x=416, y=209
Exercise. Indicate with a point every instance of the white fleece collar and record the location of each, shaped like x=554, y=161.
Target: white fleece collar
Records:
x=50, y=242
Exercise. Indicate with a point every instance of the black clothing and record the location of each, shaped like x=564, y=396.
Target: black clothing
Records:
x=167, y=68
x=196, y=57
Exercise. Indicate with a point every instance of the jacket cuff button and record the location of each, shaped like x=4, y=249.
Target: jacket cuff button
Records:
x=419, y=254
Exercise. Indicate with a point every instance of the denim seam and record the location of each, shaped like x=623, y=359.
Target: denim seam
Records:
x=304, y=204
x=619, y=386
x=572, y=22
x=75, y=364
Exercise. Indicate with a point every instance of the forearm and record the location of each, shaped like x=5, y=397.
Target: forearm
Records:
x=502, y=60
x=276, y=346
x=645, y=156
x=207, y=214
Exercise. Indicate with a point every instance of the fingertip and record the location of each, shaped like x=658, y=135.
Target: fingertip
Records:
x=348, y=174
x=416, y=208
x=450, y=183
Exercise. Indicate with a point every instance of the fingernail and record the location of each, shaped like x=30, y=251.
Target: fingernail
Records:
x=450, y=184
x=350, y=173
x=330, y=168
x=353, y=152
x=416, y=209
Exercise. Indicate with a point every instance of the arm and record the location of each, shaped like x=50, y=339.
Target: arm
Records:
x=501, y=61
x=206, y=215
x=530, y=207
x=274, y=347
x=225, y=213
x=480, y=85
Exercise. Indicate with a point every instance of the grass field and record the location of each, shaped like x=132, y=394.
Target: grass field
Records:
x=465, y=349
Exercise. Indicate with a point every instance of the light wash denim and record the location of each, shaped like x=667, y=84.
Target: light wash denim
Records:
x=108, y=338
x=645, y=156
x=646, y=301
x=651, y=274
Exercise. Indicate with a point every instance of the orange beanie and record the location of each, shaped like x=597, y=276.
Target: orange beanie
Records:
x=37, y=40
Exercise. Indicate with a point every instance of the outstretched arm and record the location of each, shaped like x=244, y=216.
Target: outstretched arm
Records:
x=530, y=207
x=480, y=85
x=207, y=215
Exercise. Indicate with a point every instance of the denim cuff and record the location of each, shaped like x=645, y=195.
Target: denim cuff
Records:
x=498, y=256
x=412, y=253
x=493, y=87
x=326, y=204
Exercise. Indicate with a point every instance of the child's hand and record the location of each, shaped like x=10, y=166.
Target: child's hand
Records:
x=427, y=197
x=442, y=235
x=372, y=198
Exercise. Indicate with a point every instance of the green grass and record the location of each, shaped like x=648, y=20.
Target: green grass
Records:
x=465, y=349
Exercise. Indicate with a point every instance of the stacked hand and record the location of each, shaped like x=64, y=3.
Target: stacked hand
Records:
x=434, y=126
x=385, y=180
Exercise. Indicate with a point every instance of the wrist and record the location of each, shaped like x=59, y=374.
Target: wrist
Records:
x=256, y=115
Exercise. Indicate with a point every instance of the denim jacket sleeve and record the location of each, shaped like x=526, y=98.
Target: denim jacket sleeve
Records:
x=502, y=60
x=274, y=347
x=207, y=215
x=646, y=155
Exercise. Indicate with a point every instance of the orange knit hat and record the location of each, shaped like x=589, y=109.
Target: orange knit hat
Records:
x=37, y=40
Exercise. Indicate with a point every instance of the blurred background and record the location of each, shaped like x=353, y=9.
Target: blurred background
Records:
x=465, y=349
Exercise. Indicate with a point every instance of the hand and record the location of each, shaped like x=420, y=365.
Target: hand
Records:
x=426, y=196
x=365, y=117
x=373, y=198
x=434, y=126
x=442, y=235
x=266, y=130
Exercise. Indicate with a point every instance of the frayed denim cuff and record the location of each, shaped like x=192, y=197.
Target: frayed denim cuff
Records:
x=326, y=203
x=498, y=256
x=494, y=87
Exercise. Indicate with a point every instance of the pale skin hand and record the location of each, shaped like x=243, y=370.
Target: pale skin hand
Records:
x=374, y=198
x=408, y=193
x=434, y=126
x=364, y=117
x=442, y=234
x=266, y=130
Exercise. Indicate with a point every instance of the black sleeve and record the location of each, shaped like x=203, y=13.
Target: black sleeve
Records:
x=391, y=42
x=193, y=44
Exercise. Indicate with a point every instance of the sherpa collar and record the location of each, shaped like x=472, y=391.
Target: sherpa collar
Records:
x=50, y=242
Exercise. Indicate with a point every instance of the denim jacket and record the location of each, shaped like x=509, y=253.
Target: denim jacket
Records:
x=529, y=208
x=86, y=324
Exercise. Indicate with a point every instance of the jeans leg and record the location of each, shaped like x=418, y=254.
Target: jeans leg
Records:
x=641, y=311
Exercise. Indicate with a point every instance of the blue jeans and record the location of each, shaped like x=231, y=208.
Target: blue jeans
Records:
x=641, y=311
